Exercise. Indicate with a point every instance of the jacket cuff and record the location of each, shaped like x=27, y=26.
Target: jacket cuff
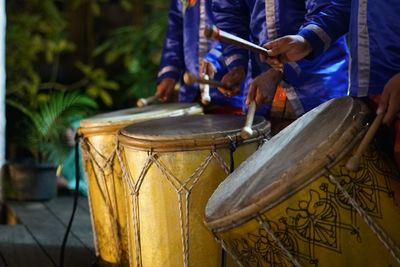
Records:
x=319, y=40
x=235, y=60
x=216, y=58
x=168, y=72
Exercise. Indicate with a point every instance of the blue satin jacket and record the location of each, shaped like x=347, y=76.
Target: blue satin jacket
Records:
x=374, y=30
x=309, y=82
x=185, y=45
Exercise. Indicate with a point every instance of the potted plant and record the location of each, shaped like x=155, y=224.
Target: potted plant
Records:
x=43, y=135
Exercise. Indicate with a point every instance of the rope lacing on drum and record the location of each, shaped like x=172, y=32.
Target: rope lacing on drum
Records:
x=267, y=228
x=232, y=148
x=87, y=151
x=225, y=248
x=265, y=138
x=183, y=189
x=134, y=202
x=378, y=231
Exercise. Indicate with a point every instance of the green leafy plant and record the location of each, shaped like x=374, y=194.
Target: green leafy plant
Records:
x=45, y=127
x=139, y=47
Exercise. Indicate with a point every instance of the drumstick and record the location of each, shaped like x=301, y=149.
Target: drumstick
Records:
x=354, y=162
x=146, y=101
x=215, y=33
x=246, y=130
x=205, y=93
x=190, y=78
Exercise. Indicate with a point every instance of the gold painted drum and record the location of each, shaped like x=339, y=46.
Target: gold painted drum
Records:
x=106, y=195
x=172, y=167
x=294, y=203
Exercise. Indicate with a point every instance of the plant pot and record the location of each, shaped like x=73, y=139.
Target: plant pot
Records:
x=28, y=181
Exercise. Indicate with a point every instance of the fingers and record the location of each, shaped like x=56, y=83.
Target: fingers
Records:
x=256, y=93
x=233, y=79
x=392, y=107
x=234, y=89
x=277, y=46
x=165, y=89
x=390, y=100
x=206, y=68
x=203, y=67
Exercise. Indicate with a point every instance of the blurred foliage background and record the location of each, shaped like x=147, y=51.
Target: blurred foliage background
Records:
x=106, y=50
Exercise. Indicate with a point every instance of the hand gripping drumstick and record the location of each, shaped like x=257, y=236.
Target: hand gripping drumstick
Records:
x=146, y=101
x=215, y=33
x=246, y=130
x=190, y=78
x=354, y=162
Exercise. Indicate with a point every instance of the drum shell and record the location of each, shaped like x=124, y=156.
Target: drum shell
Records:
x=302, y=215
x=104, y=177
x=317, y=225
x=176, y=161
x=158, y=200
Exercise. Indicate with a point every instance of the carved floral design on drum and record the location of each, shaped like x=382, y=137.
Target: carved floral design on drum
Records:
x=317, y=220
x=364, y=185
x=261, y=247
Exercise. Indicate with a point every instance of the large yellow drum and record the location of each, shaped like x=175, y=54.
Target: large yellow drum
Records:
x=294, y=203
x=172, y=167
x=106, y=195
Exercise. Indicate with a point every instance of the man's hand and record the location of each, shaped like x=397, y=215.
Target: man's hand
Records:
x=207, y=68
x=263, y=87
x=233, y=79
x=165, y=89
x=286, y=49
x=390, y=100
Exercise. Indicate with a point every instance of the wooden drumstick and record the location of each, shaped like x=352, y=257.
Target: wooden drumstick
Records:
x=146, y=101
x=190, y=78
x=246, y=130
x=354, y=162
x=205, y=93
x=215, y=33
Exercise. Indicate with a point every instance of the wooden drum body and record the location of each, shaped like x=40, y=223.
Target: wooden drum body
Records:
x=294, y=203
x=105, y=190
x=172, y=167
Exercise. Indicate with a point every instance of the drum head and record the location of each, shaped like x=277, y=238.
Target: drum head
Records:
x=287, y=162
x=113, y=121
x=136, y=113
x=187, y=132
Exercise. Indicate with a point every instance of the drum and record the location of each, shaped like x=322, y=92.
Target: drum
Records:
x=172, y=166
x=105, y=191
x=294, y=203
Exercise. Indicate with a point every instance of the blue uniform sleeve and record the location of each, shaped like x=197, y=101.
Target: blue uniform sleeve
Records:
x=326, y=21
x=216, y=58
x=172, y=60
x=233, y=17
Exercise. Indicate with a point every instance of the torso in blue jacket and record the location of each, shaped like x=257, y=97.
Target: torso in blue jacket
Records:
x=375, y=45
x=374, y=40
x=310, y=82
x=184, y=47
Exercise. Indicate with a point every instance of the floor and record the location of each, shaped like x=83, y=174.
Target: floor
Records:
x=35, y=230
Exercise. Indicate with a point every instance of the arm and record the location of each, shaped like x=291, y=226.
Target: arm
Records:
x=213, y=62
x=233, y=17
x=325, y=22
x=172, y=59
x=390, y=100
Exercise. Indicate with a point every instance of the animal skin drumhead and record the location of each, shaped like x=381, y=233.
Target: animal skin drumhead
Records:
x=286, y=162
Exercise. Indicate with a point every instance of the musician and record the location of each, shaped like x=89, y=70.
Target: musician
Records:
x=309, y=82
x=185, y=49
x=375, y=49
